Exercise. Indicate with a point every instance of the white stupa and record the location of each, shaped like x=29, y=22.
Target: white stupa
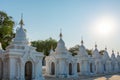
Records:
x=22, y=61
x=98, y=68
x=115, y=67
x=60, y=63
x=82, y=60
x=106, y=62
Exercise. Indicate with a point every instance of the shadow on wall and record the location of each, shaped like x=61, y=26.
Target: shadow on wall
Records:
x=43, y=62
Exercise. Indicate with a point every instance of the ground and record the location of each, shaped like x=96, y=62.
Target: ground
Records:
x=100, y=77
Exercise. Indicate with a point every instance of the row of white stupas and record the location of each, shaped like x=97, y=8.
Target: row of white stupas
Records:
x=61, y=63
x=20, y=61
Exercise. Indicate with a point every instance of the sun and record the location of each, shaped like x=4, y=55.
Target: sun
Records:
x=105, y=26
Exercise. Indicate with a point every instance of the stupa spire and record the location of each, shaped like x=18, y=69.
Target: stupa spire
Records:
x=82, y=41
x=21, y=23
x=60, y=33
x=95, y=45
x=106, y=48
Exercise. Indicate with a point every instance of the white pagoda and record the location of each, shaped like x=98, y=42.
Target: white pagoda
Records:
x=20, y=61
x=61, y=63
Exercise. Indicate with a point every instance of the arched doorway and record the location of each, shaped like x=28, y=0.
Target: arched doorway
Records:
x=52, y=68
x=70, y=69
x=91, y=68
x=78, y=67
x=28, y=70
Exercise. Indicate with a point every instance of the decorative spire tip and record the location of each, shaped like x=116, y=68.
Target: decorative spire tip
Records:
x=95, y=45
x=82, y=40
x=106, y=48
x=61, y=33
x=21, y=23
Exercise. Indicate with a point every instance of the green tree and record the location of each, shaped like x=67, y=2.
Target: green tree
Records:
x=101, y=52
x=74, y=50
x=44, y=45
x=89, y=51
x=6, y=29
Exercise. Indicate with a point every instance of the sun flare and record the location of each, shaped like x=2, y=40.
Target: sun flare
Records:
x=105, y=26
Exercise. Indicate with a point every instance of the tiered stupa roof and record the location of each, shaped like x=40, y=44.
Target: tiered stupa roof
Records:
x=60, y=46
x=82, y=50
x=113, y=56
x=96, y=53
x=20, y=37
x=105, y=54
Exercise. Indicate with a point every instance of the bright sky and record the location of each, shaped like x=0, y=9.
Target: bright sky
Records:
x=94, y=20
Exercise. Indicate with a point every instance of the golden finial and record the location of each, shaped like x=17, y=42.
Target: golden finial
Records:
x=60, y=33
x=82, y=40
x=95, y=45
x=21, y=23
x=106, y=48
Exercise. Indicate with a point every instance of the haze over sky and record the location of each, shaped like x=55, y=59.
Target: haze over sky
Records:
x=44, y=18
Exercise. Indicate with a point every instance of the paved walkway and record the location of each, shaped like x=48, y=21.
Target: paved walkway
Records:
x=102, y=77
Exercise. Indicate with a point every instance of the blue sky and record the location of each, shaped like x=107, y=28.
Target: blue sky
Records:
x=44, y=18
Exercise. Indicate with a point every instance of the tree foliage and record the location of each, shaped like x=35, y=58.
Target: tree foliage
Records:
x=89, y=51
x=44, y=45
x=6, y=29
x=101, y=52
x=74, y=50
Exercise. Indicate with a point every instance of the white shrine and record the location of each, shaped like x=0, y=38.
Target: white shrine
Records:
x=61, y=63
x=114, y=62
x=118, y=60
x=98, y=68
x=82, y=60
x=20, y=61
x=107, y=66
